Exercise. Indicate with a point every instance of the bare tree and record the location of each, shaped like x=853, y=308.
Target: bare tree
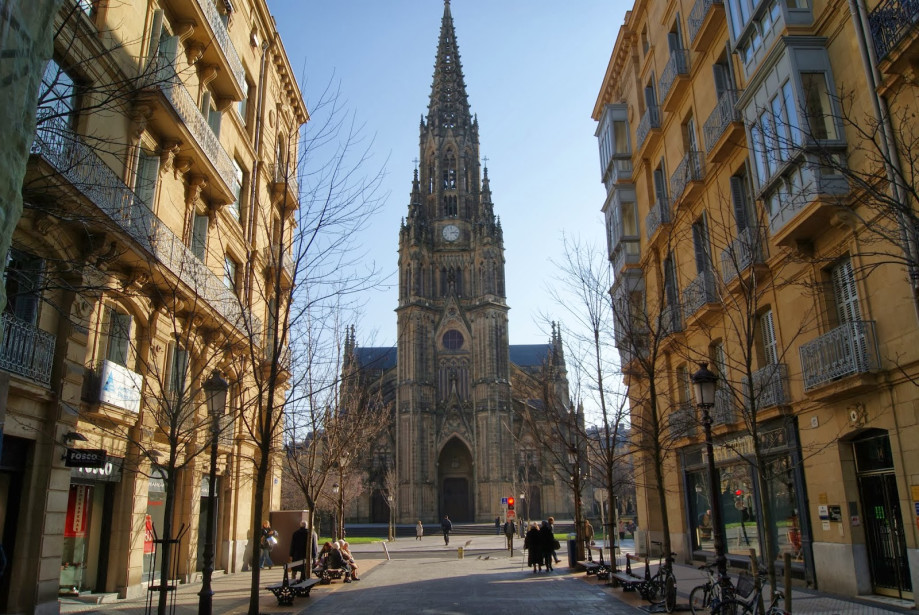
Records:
x=390, y=489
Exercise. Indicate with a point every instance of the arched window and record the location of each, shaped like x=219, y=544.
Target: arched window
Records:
x=449, y=170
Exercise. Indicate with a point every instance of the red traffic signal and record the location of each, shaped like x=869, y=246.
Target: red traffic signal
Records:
x=739, y=492
x=510, y=503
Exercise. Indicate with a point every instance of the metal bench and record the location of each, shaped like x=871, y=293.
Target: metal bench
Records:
x=627, y=578
x=285, y=591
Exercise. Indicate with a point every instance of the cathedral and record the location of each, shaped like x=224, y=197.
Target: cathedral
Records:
x=458, y=391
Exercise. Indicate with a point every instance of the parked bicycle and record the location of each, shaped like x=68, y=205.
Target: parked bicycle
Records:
x=661, y=587
x=708, y=597
x=746, y=600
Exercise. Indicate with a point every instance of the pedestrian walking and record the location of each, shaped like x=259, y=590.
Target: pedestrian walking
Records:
x=552, y=528
x=268, y=541
x=419, y=530
x=547, y=544
x=509, y=530
x=497, y=525
x=588, y=539
x=531, y=545
x=447, y=527
x=299, y=543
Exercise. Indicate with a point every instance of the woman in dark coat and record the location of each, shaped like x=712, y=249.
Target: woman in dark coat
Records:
x=547, y=544
x=531, y=544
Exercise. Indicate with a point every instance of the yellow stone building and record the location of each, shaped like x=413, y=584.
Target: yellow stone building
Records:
x=750, y=227
x=159, y=198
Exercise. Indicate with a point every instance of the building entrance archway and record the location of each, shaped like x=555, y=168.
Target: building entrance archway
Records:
x=455, y=480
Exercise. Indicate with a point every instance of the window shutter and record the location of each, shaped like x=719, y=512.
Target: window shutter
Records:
x=722, y=78
x=145, y=182
x=660, y=186
x=770, y=350
x=700, y=243
x=846, y=292
x=739, y=199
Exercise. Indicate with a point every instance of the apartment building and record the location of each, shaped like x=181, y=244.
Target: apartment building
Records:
x=751, y=227
x=159, y=204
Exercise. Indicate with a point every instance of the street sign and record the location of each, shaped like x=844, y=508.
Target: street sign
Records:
x=511, y=515
x=503, y=501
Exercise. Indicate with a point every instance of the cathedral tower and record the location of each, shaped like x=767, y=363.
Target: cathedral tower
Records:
x=453, y=396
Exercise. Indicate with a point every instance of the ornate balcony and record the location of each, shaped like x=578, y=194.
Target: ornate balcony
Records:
x=849, y=349
x=674, y=79
x=724, y=127
x=682, y=420
x=657, y=217
x=226, y=426
x=700, y=292
x=649, y=128
x=283, y=179
x=745, y=251
x=79, y=164
x=890, y=22
x=770, y=387
x=26, y=350
x=270, y=253
x=687, y=177
x=724, y=412
x=703, y=19
x=191, y=126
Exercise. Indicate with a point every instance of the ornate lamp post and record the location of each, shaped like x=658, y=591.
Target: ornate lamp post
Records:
x=337, y=490
x=703, y=382
x=215, y=390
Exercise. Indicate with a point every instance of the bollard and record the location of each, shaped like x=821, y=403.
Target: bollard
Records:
x=459, y=553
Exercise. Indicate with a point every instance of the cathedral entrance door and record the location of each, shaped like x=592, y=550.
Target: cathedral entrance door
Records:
x=455, y=481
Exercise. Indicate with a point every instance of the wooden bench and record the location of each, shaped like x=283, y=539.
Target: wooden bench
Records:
x=627, y=578
x=285, y=591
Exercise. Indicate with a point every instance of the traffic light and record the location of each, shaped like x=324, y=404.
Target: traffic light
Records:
x=510, y=503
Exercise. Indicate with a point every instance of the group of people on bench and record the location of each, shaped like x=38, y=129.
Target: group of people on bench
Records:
x=336, y=556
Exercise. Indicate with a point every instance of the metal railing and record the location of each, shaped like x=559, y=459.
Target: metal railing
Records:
x=677, y=66
x=690, y=169
x=659, y=214
x=682, y=420
x=222, y=36
x=165, y=78
x=280, y=174
x=723, y=412
x=670, y=321
x=26, y=350
x=851, y=348
x=699, y=292
x=226, y=429
x=890, y=22
x=743, y=252
x=651, y=120
x=721, y=117
x=769, y=387
x=697, y=16
x=271, y=256
x=79, y=164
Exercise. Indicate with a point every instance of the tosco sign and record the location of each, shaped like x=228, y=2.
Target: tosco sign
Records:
x=109, y=473
x=84, y=458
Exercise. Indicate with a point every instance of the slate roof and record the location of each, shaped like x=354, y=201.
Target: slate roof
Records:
x=529, y=355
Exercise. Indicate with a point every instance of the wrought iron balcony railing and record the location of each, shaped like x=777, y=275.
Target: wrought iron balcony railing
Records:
x=222, y=36
x=700, y=291
x=79, y=164
x=690, y=169
x=165, y=79
x=697, y=16
x=743, y=252
x=724, y=412
x=651, y=120
x=721, y=117
x=26, y=350
x=769, y=387
x=659, y=214
x=677, y=66
x=851, y=348
x=890, y=22
x=280, y=174
x=226, y=427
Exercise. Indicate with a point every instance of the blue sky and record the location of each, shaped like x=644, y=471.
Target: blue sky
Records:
x=533, y=70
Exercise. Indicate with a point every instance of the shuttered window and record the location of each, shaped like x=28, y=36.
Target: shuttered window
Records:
x=767, y=335
x=845, y=292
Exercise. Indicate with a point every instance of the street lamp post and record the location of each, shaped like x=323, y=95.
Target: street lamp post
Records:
x=703, y=382
x=336, y=489
x=215, y=390
x=392, y=529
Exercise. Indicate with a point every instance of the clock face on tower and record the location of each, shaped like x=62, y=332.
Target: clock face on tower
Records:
x=451, y=232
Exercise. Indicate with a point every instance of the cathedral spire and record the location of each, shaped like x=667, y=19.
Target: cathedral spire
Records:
x=449, y=105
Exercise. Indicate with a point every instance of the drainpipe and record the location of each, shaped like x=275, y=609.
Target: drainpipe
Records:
x=888, y=142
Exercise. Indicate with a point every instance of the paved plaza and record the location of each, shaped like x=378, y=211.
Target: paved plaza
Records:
x=428, y=577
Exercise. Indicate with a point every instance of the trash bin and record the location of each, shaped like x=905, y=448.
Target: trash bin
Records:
x=572, y=552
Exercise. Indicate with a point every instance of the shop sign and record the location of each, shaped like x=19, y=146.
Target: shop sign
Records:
x=157, y=483
x=120, y=387
x=84, y=458
x=108, y=473
x=79, y=504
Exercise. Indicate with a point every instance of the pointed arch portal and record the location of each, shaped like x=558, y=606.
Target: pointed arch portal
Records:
x=455, y=481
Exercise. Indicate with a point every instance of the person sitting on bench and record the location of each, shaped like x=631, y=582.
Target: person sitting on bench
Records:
x=336, y=561
x=349, y=559
x=320, y=563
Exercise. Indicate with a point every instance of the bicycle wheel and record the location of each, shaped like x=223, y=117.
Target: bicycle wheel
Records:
x=653, y=590
x=699, y=599
x=670, y=593
x=732, y=607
